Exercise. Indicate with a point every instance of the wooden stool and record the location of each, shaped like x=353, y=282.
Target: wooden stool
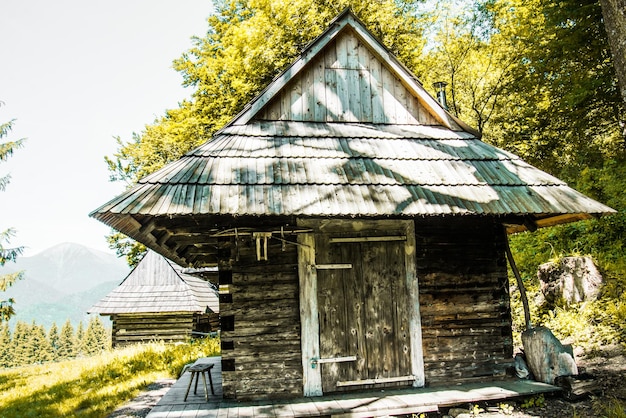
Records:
x=197, y=369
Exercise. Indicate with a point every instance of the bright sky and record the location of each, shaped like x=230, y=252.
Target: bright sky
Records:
x=74, y=74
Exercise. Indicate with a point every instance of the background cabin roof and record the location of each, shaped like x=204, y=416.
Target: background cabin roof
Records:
x=346, y=131
x=157, y=286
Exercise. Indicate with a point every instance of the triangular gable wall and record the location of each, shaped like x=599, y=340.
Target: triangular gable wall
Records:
x=347, y=75
x=346, y=82
x=153, y=270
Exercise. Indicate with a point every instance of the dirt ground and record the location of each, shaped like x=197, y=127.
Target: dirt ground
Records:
x=145, y=401
x=608, y=367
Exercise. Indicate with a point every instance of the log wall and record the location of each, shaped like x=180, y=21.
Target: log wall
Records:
x=170, y=327
x=464, y=301
x=260, y=317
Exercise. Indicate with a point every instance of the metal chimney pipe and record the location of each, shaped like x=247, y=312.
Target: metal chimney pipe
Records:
x=441, y=93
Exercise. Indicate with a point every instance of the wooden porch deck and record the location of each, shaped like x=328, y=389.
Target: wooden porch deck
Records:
x=362, y=404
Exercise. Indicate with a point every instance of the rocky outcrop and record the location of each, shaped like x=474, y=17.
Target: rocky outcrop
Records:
x=570, y=280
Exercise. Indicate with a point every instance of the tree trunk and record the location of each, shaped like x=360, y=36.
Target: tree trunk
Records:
x=614, y=13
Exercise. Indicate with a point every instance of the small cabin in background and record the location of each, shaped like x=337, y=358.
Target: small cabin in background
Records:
x=160, y=300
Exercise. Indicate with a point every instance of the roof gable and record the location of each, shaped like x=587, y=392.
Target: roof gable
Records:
x=156, y=286
x=347, y=75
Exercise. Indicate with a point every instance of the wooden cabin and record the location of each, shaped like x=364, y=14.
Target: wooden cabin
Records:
x=359, y=228
x=159, y=301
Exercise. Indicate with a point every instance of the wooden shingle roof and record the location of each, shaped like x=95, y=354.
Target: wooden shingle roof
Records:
x=157, y=286
x=348, y=131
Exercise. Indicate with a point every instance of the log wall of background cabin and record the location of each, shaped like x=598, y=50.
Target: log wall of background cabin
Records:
x=137, y=328
x=260, y=319
x=464, y=300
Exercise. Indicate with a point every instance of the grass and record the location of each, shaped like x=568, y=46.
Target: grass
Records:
x=94, y=386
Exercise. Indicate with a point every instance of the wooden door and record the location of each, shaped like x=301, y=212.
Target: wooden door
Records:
x=364, y=318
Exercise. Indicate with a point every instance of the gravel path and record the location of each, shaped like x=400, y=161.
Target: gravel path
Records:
x=142, y=404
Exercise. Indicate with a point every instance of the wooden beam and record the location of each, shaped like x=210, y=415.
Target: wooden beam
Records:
x=378, y=381
x=332, y=266
x=336, y=359
x=309, y=319
x=367, y=239
x=415, y=320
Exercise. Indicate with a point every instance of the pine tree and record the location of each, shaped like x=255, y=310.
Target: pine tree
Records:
x=6, y=351
x=38, y=349
x=7, y=253
x=53, y=341
x=19, y=343
x=67, y=342
x=96, y=337
x=79, y=340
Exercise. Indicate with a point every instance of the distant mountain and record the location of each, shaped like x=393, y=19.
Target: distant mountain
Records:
x=62, y=282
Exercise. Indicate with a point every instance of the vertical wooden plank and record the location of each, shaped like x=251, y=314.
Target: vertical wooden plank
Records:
x=341, y=46
x=389, y=100
x=333, y=103
x=273, y=111
x=401, y=307
x=352, y=51
x=332, y=314
x=353, y=104
x=355, y=308
x=364, y=56
x=342, y=92
x=308, y=94
x=413, y=109
x=415, y=321
x=365, y=91
x=330, y=83
x=400, y=94
x=285, y=104
x=376, y=83
x=309, y=322
x=297, y=105
x=319, y=90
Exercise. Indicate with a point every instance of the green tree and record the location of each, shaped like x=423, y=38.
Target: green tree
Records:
x=564, y=107
x=247, y=44
x=19, y=343
x=79, y=340
x=615, y=24
x=7, y=253
x=96, y=337
x=534, y=76
x=53, y=341
x=37, y=349
x=67, y=342
x=6, y=349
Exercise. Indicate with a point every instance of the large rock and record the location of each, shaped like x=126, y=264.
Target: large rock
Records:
x=547, y=358
x=571, y=280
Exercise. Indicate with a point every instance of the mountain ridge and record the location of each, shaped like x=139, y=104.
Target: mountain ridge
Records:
x=62, y=282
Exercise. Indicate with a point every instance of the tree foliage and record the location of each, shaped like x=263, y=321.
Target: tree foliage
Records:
x=535, y=77
x=96, y=337
x=614, y=15
x=67, y=342
x=30, y=344
x=7, y=253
